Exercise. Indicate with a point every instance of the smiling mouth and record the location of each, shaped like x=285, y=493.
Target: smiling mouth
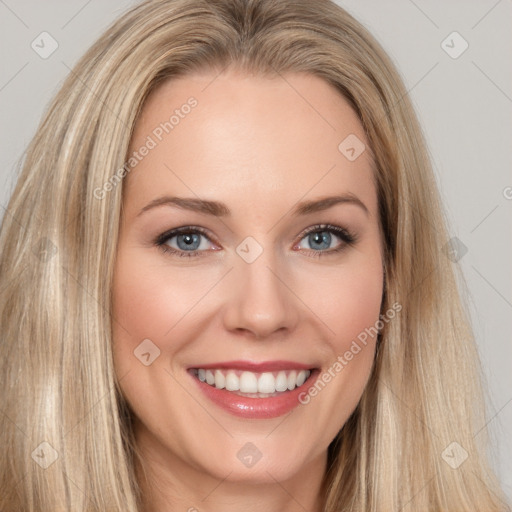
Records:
x=252, y=384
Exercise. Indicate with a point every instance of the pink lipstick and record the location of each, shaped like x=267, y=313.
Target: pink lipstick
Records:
x=254, y=390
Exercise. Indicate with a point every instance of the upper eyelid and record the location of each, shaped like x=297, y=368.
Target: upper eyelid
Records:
x=171, y=233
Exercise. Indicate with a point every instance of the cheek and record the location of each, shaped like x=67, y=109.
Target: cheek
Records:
x=142, y=310
x=149, y=299
x=347, y=300
x=355, y=304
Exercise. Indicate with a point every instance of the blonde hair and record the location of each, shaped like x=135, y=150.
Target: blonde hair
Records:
x=57, y=256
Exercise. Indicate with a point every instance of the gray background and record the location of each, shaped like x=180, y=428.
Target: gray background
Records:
x=464, y=104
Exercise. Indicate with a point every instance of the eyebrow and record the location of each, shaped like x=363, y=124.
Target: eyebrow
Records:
x=219, y=209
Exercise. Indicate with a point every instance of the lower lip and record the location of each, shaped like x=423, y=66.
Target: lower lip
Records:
x=256, y=408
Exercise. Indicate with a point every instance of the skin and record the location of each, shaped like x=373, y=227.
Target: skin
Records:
x=259, y=145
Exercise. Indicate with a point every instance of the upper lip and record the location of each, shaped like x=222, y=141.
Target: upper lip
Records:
x=256, y=367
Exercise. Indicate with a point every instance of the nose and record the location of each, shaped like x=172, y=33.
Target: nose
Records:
x=259, y=298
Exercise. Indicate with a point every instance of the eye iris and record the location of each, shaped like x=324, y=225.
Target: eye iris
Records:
x=188, y=239
x=319, y=238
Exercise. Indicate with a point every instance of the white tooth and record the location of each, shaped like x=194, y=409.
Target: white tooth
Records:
x=266, y=383
x=232, y=381
x=281, y=382
x=292, y=379
x=248, y=383
x=201, y=374
x=220, y=380
x=308, y=373
x=301, y=377
x=210, y=379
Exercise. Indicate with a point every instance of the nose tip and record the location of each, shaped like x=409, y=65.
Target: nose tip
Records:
x=259, y=302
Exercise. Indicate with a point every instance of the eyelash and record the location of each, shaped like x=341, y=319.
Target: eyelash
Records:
x=346, y=236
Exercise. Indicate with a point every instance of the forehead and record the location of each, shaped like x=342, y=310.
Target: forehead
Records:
x=247, y=139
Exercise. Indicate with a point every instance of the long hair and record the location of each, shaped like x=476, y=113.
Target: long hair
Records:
x=65, y=431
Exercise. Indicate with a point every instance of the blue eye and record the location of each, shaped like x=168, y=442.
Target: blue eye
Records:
x=321, y=236
x=189, y=241
x=322, y=239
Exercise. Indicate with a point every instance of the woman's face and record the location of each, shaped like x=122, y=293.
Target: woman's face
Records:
x=255, y=291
